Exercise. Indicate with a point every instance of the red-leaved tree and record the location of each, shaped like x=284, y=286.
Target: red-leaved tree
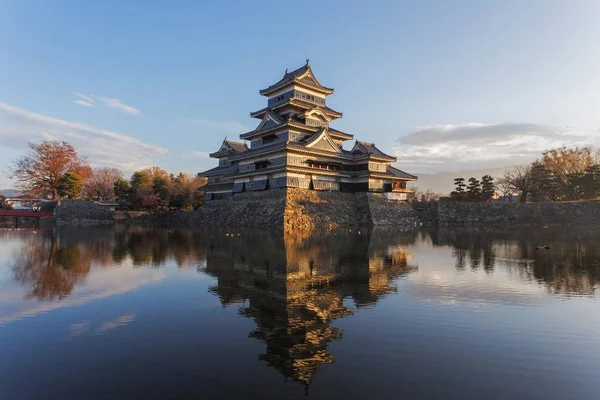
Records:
x=39, y=172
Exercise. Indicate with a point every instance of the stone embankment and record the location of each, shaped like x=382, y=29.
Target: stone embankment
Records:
x=291, y=209
x=82, y=213
x=584, y=213
x=298, y=210
x=252, y=209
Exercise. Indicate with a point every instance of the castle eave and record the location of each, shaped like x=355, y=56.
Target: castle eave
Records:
x=255, y=133
x=300, y=104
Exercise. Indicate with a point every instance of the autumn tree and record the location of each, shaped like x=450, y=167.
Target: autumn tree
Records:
x=565, y=163
x=101, y=186
x=185, y=194
x=39, y=172
x=157, y=172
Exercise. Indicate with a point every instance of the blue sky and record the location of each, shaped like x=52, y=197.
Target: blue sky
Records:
x=443, y=85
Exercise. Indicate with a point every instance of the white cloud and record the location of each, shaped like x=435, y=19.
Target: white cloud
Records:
x=84, y=327
x=83, y=103
x=227, y=126
x=118, y=105
x=85, y=98
x=195, y=154
x=476, y=145
x=108, y=326
x=90, y=101
x=78, y=328
x=103, y=147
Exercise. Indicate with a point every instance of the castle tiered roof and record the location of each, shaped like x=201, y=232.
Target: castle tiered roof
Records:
x=294, y=144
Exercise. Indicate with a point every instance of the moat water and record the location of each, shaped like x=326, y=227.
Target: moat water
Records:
x=128, y=313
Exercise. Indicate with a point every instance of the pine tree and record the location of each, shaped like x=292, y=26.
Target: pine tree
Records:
x=487, y=188
x=122, y=190
x=474, y=189
x=69, y=185
x=543, y=185
x=460, y=185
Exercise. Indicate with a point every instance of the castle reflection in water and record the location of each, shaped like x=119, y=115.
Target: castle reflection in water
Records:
x=294, y=288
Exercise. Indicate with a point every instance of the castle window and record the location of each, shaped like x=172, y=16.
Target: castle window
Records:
x=261, y=164
x=269, y=139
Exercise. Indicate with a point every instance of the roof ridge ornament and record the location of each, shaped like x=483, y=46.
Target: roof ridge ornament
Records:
x=307, y=61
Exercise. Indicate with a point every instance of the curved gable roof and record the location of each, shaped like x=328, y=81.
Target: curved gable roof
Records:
x=367, y=148
x=228, y=147
x=269, y=121
x=323, y=141
x=302, y=76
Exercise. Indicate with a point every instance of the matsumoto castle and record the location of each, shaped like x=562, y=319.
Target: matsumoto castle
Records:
x=295, y=146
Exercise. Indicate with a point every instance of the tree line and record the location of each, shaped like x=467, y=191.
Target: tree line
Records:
x=55, y=170
x=561, y=174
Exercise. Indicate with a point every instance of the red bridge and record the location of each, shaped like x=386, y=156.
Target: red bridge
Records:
x=23, y=213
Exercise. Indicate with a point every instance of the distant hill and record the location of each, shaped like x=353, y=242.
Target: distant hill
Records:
x=9, y=192
x=443, y=182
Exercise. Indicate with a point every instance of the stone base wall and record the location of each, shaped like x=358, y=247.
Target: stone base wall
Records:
x=292, y=209
x=384, y=212
x=248, y=209
x=312, y=209
x=585, y=213
x=80, y=212
x=295, y=209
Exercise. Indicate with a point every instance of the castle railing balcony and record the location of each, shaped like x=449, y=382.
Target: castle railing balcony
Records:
x=402, y=190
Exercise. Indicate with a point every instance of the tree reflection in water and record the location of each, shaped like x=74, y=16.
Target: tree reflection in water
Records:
x=295, y=287
x=50, y=268
x=570, y=266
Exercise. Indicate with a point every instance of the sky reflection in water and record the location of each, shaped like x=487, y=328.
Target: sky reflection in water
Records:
x=134, y=312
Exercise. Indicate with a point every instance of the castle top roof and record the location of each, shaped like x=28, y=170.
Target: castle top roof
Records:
x=302, y=76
